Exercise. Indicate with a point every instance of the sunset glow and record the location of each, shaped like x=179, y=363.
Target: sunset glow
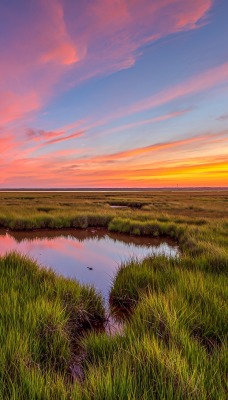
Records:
x=113, y=93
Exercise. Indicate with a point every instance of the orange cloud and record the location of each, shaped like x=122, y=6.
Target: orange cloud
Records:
x=142, y=151
x=199, y=171
x=196, y=172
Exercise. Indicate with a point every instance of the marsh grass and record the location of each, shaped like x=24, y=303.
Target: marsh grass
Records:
x=41, y=314
x=174, y=341
x=174, y=345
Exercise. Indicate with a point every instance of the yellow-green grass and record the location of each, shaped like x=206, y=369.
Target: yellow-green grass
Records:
x=174, y=343
x=41, y=318
x=174, y=346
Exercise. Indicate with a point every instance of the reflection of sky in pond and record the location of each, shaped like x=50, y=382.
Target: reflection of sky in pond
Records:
x=72, y=253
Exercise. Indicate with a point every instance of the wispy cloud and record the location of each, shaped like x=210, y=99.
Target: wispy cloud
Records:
x=198, y=83
x=41, y=134
x=149, y=121
x=41, y=50
x=60, y=42
x=115, y=31
x=223, y=117
x=57, y=44
x=51, y=137
x=69, y=137
x=142, y=151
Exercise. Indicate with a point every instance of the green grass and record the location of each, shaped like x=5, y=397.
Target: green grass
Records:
x=174, y=344
x=174, y=341
x=42, y=316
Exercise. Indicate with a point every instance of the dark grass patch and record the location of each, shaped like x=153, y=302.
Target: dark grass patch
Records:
x=45, y=209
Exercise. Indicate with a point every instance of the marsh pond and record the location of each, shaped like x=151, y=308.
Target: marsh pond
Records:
x=91, y=256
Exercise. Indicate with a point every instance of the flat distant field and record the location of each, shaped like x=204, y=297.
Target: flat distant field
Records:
x=175, y=311
x=171, y=204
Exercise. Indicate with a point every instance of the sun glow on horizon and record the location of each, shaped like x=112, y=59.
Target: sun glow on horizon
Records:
x=113, y=94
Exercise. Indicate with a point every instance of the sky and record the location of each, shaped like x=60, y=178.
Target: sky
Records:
x=113, y=93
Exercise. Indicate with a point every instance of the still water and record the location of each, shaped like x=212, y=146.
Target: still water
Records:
x=91, y=256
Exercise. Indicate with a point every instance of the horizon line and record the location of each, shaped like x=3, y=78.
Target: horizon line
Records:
x=114, y=188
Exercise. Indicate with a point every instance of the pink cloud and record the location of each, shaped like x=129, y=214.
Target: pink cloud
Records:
x=57, y=43
x=51, y=137
x=41, y=50
x=54, y=38
x=6, y=143
x=81, y=171
x=14, y=105
x=114, y=32
x=191, y=13
x=201, y=82
x=142, y=151
x=223, y=117
x=196, y=170
x=58, y=46
x=39, y=134
x=72, y=136
x=149, y=121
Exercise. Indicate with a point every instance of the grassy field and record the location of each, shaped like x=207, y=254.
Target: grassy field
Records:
x=174, y=343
